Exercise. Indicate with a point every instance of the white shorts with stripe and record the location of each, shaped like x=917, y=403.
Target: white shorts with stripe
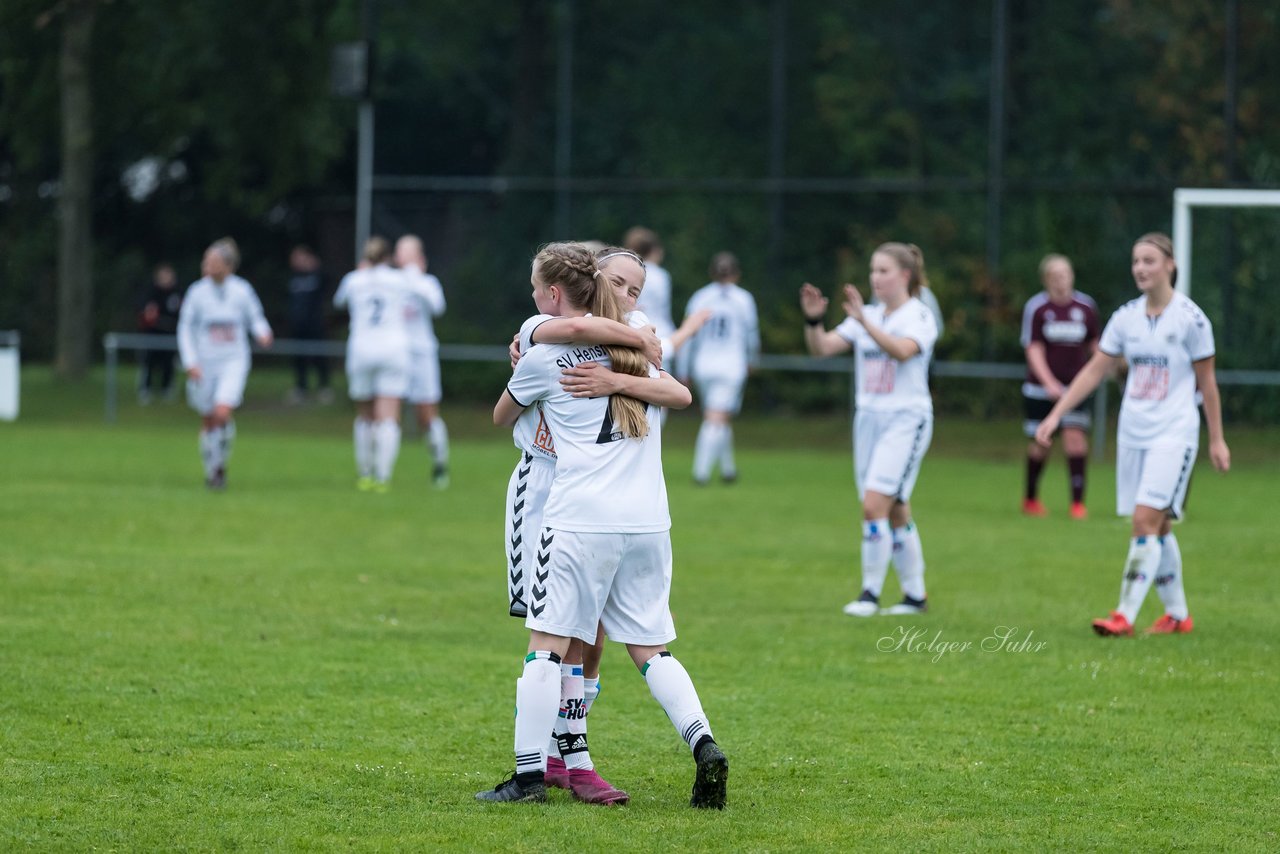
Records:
x=424, y=377
x=887, y=450
x=219, y=385
x=620, y=580
x=1153, y=477
x=526, y=496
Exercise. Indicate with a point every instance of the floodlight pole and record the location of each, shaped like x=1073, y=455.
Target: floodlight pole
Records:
x=364, y=155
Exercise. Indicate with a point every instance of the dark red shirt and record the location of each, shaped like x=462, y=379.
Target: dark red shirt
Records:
x=1066, y=330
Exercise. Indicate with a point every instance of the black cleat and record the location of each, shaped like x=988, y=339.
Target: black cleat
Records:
x=710, y=786
x=218, y=480
x=512, y=790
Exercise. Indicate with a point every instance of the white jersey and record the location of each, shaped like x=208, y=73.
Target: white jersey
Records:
x=1159, y=405
x=530, y=432
x=884, y=383
x=377, y=298
x=729, y=342
x=215, y=319
x=605, y=482
x=655, y=299
x=427, y=303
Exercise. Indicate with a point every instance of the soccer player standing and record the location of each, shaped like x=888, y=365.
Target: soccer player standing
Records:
x=1168, y=343
x=892, y=343
x=424, y=353
x=377, y=297
x=718, y=358
x=1059, y=334
x=216, y=315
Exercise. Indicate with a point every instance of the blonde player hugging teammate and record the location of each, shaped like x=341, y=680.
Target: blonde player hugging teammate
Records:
x=424, y=353
x=604, y=549
x=892, y=343
x=217, y=313
x=1168, y=343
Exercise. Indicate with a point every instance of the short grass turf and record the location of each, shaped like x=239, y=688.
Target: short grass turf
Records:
x=295, y=665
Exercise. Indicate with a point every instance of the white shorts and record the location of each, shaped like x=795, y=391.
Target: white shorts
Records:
x=219, y=385
x=424, y=377
x=620, y=580
x=1153, y=477
x=371, y=375
x=526, y=496
x=719, y=392
x=887, y=450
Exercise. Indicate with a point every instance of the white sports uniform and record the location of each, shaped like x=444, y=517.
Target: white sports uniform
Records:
x=893, y=425
x=212, y=327
x=725, y=347
x=377, y=299
x=424, y=347
x=603, y=553
x=655, y=299
x=1159, y=430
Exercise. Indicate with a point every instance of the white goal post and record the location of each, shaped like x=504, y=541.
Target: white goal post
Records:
x=1186, y=198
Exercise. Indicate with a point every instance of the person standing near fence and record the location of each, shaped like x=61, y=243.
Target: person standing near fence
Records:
x=424, y=353
x=217, y=315
x=307, y=322
x=1168, y=343
x=718, y=358
x=376, y=295
x=158, y=316
x=892, y=344
x=1059, y=334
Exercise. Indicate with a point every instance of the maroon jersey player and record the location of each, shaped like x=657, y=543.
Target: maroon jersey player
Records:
x=1059, y=335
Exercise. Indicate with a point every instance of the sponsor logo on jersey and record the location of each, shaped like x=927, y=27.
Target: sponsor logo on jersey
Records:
x=542, y=436
x=582, y=354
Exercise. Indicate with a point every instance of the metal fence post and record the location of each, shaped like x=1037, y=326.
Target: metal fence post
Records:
x=112, y=348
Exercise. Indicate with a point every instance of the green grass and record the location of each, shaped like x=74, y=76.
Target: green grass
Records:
x=295, y=665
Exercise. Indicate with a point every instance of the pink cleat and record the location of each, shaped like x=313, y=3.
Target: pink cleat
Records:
x=557, y=775
x=590, y=788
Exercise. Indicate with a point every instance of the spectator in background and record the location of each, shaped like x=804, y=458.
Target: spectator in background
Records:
x=307, y=321
x=158, y=315
x=655, y=301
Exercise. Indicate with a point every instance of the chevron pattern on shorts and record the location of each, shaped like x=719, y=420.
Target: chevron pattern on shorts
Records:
x=540, y=574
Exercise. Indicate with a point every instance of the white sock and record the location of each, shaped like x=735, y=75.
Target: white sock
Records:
x=228, y=440
x=438, y=441
x=908, y=559
x=673, y=689
x=386, y=447
x=210, y=451
x=362, y=433
x=877, y=551
x=590, y=691
x=705, y=450
x=571, y=725
x=1169, y=579
x=537, y=701
x=728, y=468
x=1139, y=572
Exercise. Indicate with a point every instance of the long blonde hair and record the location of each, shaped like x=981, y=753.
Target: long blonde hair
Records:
x=911, y=259
x=572, y=267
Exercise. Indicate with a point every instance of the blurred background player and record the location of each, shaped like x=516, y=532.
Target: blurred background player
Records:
x=377, y=297
x=158, y=315
x=655, y=302
x=718, y=359
x=892, y=344
x=219, y=311
x=424, y=353
x=1168, y=343
x=1059, y=334
x=306, y=315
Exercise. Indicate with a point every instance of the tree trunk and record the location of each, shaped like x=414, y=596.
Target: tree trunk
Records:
x=75, y=203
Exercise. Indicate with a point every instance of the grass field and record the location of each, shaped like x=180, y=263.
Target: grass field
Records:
x=294, y=665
